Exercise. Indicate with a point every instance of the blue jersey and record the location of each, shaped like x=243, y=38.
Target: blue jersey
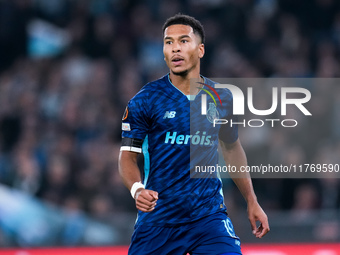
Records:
x=169, y=129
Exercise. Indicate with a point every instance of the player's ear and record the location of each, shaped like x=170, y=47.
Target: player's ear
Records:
x=201, y=50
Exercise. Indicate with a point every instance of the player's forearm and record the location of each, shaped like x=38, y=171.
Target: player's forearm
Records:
x=234, y=155
x=246, y=188
x=128, y=168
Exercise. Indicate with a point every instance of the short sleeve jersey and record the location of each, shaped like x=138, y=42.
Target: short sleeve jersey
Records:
x=173, y=135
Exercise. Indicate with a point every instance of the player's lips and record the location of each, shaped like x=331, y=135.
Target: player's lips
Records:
x=177, y=60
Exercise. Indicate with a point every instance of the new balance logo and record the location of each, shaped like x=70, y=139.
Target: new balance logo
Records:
x=169, y=114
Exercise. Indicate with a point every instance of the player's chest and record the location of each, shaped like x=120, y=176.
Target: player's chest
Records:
x=182, y=116
x=171, y=115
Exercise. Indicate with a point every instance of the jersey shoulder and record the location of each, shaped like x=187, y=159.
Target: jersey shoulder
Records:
x=149, y=91
x=223, y=93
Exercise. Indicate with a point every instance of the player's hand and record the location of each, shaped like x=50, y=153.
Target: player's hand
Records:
x=256, y=213
x=146, y=200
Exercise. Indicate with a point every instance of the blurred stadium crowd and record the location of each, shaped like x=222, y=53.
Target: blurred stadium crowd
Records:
x=60, y=116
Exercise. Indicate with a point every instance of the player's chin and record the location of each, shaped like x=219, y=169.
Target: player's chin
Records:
x=179, y=71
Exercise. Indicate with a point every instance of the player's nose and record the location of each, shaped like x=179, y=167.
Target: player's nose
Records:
x=176, y=47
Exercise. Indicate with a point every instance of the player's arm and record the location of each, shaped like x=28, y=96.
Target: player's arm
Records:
x=235, y=156
x=129, y=171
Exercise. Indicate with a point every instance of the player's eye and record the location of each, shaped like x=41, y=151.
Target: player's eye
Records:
x=168, y=42
x=184, y=41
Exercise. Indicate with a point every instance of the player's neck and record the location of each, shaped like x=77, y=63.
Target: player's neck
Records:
x=182, y=82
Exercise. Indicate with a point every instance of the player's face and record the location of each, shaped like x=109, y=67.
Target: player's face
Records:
x=182, y=49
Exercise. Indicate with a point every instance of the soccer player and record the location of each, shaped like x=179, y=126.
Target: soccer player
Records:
x=178, y=214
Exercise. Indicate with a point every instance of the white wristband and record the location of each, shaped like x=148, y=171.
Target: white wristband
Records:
x=135, y=187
